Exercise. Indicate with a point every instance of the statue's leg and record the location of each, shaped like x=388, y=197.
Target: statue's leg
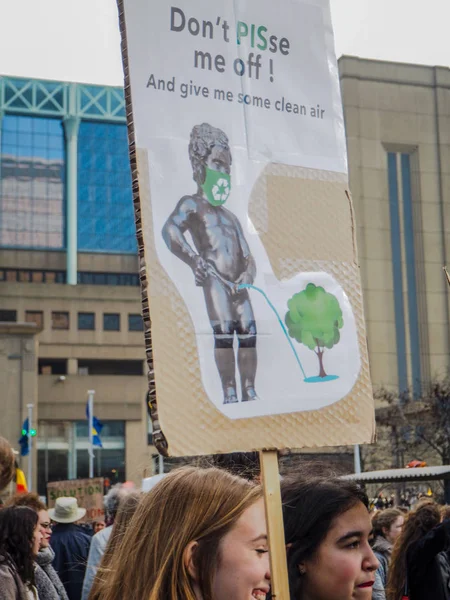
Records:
x=219, y=307
x=247, y=355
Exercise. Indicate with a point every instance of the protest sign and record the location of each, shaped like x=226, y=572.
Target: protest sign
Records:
x=251, y=293
x=88, y=492
x=245, y=225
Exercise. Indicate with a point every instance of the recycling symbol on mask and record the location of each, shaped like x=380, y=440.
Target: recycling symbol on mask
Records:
x=221, y=190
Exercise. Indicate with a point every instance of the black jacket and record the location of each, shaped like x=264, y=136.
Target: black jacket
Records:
x=425, y=561
x=71, y=546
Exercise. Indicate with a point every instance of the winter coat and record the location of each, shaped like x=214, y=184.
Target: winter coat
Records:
x=11, y=586
x=424, y=572
x=49, y=585
x=382, y=550
x=71, y=544
x=96, y=552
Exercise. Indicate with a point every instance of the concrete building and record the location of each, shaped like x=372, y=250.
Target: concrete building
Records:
x=398, y=135
x=68, y=257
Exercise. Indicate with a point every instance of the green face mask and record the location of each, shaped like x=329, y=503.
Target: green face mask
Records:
x=217, y=187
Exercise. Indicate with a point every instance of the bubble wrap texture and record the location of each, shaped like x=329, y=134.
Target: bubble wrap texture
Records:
x=190, y=423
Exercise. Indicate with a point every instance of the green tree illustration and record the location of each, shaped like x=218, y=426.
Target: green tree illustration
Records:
x=314, y=319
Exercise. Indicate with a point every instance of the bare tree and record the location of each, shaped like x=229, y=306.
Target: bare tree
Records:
x=418, y=424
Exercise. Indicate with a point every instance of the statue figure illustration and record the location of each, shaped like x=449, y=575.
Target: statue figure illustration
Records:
x=221, y=260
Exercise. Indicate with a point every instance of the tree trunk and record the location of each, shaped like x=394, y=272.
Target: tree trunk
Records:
x=322, y=370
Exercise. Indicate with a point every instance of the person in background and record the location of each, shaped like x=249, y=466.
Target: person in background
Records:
x=71, y=543
x=414, y=571
x=127, y=508
x=48, y=584
x=20, y=539
x=199, y=534
x=100, y=540
x=327, y=530
x=7, y=463
x=98, y=525
x=387, y=526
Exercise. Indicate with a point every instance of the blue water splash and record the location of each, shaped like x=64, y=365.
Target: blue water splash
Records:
x=315, y=379
x=318, y=379
x=282, y=325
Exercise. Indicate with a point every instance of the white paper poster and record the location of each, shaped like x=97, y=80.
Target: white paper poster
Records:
x=220, y=90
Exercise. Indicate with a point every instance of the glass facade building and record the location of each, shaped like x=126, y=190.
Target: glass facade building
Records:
x=32, y=183
x=105, y=207
x=40, y=120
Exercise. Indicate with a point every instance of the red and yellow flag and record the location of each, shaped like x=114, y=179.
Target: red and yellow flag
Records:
x=21, y=482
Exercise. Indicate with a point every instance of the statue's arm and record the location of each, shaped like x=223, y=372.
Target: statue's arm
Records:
x=248, y=276
x=174, y=228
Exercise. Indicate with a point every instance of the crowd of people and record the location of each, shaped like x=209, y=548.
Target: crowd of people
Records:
x=200, y=534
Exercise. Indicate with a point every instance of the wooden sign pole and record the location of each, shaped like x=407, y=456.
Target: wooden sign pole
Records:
x=275, y=528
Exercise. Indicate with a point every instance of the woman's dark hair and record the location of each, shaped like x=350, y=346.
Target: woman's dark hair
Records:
x=425, y=517
x=242, y=464
x=310, y=505
x=17, y=525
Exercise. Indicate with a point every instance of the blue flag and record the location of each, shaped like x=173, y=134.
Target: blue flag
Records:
x=24, y=447
x=97, y=427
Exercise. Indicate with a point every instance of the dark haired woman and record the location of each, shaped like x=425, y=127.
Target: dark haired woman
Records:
x=387, y=526
x=20, y=538
x=327, y=528
x=415, y=571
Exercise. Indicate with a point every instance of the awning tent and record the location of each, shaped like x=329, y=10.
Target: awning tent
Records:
x=399, y=475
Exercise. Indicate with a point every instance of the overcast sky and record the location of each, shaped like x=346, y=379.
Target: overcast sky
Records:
x=78, y=40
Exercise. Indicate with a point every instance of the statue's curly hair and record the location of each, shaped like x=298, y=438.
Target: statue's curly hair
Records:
x=17, y=525
x=203, y=139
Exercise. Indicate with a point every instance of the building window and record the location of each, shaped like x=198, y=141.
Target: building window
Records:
x=403, y=233
x=52, y=366
x=110, y=367
x=27, y=276
x=111, y=322
x=135, y=323
x=8, y=316
x=105, y=203
x=90, y=278
x=24, y=276
x=63, y=447
x=35, y=316
x=31, y=276
x=86, y=321
x=37, y=277
x=60, y=320
x=32, y=182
